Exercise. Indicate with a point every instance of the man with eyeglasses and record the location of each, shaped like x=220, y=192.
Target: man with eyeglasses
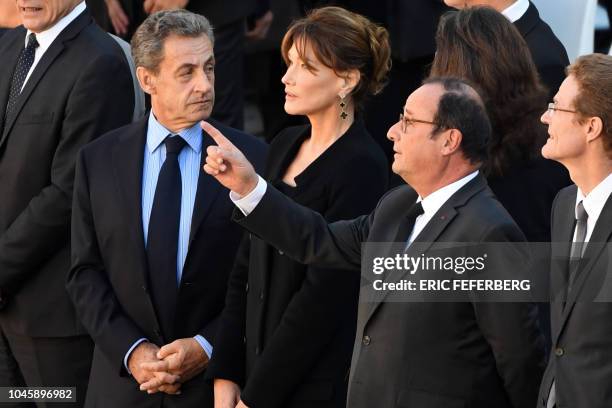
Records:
x=579, y=372
x=436, y=354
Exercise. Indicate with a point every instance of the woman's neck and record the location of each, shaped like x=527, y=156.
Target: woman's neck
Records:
x=328, y=126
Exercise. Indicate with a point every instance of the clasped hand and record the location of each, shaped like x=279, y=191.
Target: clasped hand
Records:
x=165, y=369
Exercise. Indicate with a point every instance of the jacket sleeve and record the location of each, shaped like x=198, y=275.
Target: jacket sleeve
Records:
x=88, y=284
x=303, y=234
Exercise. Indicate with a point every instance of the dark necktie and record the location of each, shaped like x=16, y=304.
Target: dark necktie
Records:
x=407, y=223
x=578, y=245
x=24, y=63
x=163, y=235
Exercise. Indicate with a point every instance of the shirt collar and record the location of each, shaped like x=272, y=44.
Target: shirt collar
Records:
x=157, y=132
x=596, y=199
x=45, y=38
x=432, y=203
x=516, y=10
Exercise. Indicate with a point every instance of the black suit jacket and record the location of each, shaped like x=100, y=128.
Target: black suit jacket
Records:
x=80, y=89
x=540, y=180
x=548, y=53
x=299, y=321
x=420, y=354
x=581, y=357
x=108, y=281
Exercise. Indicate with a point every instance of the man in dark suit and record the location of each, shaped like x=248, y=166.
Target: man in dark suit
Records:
x=153, y=245
x=548, y=53
x=469, y=354
x=63, y=82
x=579, y=371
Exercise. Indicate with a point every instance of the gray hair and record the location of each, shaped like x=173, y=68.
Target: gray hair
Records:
x=148, y=40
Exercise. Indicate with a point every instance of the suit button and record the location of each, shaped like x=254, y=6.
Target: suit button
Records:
x=280, y=252
x=246, y=288
x=244, y=339
x=261, y=295
x=559, y=351
x=257, y=351
x=144, y=289
x=157, y=332
x=366, y=340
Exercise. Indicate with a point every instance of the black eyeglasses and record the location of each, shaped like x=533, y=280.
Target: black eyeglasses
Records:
x=552, y=108
x=406, y=121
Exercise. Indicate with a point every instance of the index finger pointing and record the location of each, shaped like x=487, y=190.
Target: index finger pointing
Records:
x=217, y=136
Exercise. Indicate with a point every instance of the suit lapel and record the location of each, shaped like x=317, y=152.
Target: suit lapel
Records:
x=47, y=59
x=127, y=164
x=597, y=243
x=528, y=21
x=430, y=233
x=207, y=191
x=562, y=236
x=420, y=245
x=11, y=53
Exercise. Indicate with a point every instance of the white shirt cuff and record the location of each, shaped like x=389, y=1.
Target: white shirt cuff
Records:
x=248, y=203
x=127, y=355
x=208, y=349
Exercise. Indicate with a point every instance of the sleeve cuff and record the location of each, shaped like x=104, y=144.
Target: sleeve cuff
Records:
x=248, y=203
x=127, y=355
x=208, y=349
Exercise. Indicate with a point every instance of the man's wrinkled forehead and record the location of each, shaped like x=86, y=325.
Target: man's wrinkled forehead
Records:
x=179, y=50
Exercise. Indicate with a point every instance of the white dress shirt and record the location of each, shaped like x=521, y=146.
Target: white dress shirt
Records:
x=433, y=202
x=248, y=203
x=46, y=38
x=593, y=204
x=516, y=10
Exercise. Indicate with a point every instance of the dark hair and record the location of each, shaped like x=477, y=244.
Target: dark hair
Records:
x=594, y=76
x=462, y=108
x=343, y=40
x=482, y=46
x=148, y=40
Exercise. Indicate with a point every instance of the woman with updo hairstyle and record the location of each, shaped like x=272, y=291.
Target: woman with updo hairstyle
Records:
x=481, y=45
x=285, y=337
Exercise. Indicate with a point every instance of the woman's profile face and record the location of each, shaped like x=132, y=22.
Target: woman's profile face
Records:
x=310, y=86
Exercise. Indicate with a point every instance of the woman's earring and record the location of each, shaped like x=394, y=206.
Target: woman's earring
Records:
x=343, y=113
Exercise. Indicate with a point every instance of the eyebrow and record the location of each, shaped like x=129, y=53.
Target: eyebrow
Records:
x=190, y=65
x=305, y=60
